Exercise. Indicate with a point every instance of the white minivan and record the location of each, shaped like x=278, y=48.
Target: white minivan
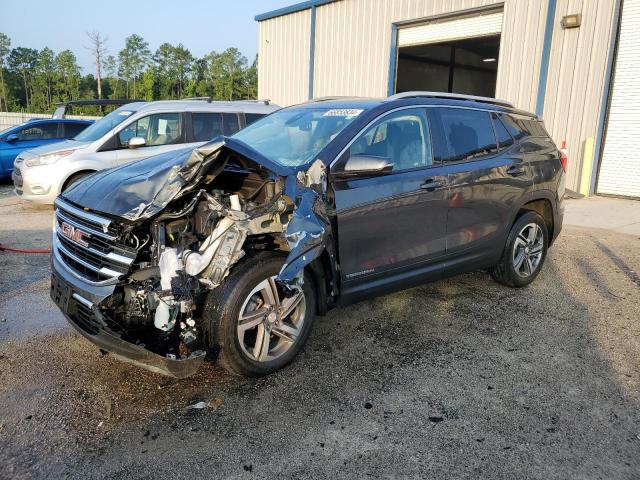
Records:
x=132, y=132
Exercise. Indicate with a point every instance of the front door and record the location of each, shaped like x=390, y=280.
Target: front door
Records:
x=162, y=132
x=29, y=137
x=391, y=228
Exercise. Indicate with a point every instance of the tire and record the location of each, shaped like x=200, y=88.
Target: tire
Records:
x=522, y=258
x=74, y=179
x=237, y=351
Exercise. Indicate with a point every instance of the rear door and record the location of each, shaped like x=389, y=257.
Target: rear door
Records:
x=486, y=179
x=391, y=227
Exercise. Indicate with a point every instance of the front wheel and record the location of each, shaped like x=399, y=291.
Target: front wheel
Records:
x=524, y=253
x=258, y=325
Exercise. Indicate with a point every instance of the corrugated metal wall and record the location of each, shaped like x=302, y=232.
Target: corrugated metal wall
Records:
x=577, y=69
x=283, y=57
x=352, y=53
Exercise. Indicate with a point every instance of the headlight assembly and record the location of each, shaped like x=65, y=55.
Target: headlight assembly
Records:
x=48, y=159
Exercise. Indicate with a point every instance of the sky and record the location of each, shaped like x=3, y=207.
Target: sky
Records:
x=201, y=26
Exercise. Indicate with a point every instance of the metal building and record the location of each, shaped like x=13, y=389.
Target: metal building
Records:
x=576, y=63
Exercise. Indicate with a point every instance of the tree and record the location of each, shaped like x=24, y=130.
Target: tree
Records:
x=69, y=74
x=111, y=69
x=133, y=59
x=98, y=50
x=5, y=45
x=46, y=71
x=23, y=60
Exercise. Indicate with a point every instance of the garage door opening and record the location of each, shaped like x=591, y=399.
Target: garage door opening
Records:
x=468, y=66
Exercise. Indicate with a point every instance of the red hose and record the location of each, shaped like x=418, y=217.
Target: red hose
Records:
x=21, y=250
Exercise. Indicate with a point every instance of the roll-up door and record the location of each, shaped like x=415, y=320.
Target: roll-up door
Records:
x=620, y=165
x=458, y=29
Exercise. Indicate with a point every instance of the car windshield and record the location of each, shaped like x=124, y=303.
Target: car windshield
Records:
x=294, y=136
x=103, y=126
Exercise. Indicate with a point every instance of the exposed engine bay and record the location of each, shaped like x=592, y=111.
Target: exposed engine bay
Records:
x=191, y=232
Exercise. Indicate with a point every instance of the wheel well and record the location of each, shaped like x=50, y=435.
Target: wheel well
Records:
x=543, y=208
x=72, y=176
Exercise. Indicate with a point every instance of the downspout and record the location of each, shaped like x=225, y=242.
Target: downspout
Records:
x=312, y=50
x=393, y=54
x=546, y=54
x=608, y=87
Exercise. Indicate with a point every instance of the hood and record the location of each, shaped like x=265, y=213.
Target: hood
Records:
x=140, y=190
x=54, y=147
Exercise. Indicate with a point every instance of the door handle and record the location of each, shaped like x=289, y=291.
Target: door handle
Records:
x=431, y=184
x=515, y=170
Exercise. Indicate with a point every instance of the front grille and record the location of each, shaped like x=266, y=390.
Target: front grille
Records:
x=85, y=319
x=88, y=244
x=16, y=176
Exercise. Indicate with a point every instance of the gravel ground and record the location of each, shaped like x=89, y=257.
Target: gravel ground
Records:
x=458, y=379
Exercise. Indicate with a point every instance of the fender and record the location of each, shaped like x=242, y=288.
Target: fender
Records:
x=542, y=194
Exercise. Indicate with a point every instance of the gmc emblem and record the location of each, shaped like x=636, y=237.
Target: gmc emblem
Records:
x=74, y=234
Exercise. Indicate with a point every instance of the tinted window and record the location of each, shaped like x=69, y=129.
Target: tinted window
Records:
x=73, y=129
x=402, y=136
x=206, y=126
x=39, y=132
x=158, y=129
x=230, y=122
x=504, y=139
x=252, y=117
x=515, y=126
x=468, y=133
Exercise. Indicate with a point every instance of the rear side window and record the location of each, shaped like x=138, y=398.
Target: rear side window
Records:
x=252, y=117
x=206, y=126
x=504, y=139
x=46, y=131
x=230, y=123
x=73, y=129
x=468, y=134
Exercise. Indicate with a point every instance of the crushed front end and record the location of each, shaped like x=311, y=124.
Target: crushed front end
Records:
x=131, y=275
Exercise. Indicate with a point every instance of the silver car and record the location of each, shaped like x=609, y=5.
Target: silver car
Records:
x=132, y=132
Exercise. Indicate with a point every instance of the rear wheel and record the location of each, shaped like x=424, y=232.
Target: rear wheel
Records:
x=524, y=253
x=257, y=325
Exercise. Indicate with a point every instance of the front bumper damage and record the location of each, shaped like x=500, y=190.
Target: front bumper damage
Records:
x=79, y=306
x=141, y=194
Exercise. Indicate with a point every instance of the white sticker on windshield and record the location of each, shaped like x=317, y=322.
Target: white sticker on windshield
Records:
x=343, y=112
x=125, y=113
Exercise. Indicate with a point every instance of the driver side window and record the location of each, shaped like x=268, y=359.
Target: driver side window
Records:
x=402, y=136
x=157, y=129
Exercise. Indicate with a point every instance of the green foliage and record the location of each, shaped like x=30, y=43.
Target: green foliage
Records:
x=34, y=81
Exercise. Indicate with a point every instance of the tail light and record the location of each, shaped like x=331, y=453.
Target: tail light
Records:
x=563, y=161
x=563, y=155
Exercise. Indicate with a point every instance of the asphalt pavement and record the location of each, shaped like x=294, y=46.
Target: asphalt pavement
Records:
x=462, y=378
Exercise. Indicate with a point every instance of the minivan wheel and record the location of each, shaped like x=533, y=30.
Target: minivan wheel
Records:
x=524, y=253
x=74, y=179
x=256, y=325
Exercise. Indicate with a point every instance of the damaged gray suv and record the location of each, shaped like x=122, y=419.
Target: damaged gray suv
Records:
x=231, y=250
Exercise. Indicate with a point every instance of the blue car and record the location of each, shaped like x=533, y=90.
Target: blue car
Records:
x=32, y=134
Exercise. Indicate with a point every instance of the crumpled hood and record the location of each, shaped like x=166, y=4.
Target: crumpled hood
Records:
x=54, y=147
x=141, y=189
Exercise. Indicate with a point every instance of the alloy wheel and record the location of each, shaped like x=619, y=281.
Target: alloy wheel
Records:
x=528, y=248
x=270, y=321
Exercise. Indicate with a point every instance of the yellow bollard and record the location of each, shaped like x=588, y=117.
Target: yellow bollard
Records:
x=587, y=166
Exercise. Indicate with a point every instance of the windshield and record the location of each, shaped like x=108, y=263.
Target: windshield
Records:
x=103, y=126
x=294, y=136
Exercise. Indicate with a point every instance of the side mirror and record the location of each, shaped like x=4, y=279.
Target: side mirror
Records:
x=11, y=138
x=365, y=165
x=137, y=142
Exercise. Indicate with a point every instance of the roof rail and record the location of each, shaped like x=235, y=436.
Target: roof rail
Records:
x=61, y=107
x=453, y=96
x=210, y=99
x=328, y=98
